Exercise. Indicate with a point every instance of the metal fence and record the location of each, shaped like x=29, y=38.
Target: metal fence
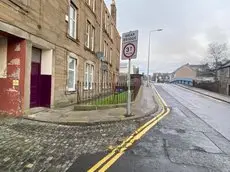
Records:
x=104, y=93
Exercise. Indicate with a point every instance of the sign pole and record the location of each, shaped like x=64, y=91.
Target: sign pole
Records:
x=129, y=92
x=129, y=51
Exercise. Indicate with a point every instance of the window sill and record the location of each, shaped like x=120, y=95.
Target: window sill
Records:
x=88, y=49
x=86, y=89
x=73, y=39
x=107, y=33
x=105, y=61
x=70, y=92
x=91, y=9
x=24, y=8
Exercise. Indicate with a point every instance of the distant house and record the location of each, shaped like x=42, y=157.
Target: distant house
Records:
x=193, y=72
x=223, y=74
x=161, y=77
x=134, y=70
x=124, y=69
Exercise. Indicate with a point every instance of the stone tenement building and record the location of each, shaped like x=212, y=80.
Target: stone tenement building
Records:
x=47, y=47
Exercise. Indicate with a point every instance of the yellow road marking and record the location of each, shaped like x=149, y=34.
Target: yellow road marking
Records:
x=113, y=156
x=107, y=157
x=137, y=137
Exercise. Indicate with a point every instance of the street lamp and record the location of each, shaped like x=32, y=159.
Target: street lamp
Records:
x=156, y=30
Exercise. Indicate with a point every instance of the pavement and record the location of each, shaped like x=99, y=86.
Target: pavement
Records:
x=143, y=105
x=195, y=136
x=218, y=96
x=35, y=146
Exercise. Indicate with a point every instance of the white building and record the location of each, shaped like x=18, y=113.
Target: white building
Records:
x=124, y=69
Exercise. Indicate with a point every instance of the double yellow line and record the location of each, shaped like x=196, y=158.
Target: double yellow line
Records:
x=116, y=153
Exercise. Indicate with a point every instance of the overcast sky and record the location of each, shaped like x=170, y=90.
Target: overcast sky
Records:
x=189, y=25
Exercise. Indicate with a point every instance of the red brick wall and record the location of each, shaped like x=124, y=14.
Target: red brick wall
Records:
x=11, y=97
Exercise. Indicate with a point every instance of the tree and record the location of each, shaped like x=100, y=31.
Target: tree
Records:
x=218, y=54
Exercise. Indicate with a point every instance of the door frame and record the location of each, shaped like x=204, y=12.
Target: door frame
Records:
x=45, y=54
x=39, y=76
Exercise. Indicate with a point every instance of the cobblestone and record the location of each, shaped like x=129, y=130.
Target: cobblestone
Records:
x=30, y=146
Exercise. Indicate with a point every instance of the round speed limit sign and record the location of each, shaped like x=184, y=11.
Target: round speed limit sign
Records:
x=129, y=50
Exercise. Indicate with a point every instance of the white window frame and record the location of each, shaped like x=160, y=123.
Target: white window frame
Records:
x=94, y=5
x=87, y=41
x=92, y=75
x=108, y=23
x=111, y=31
x=93, y=38
x=73, y=20
x=74, y=70
x=111, y=54
x=89, y=70
x=107, y=50
x=105, y=53
x=105, y=21
x=105, y=79
x=228, y=72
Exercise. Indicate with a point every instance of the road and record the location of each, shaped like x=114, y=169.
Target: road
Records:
x=193, y=137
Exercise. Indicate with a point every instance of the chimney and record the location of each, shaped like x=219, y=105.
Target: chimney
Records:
x=114, y=11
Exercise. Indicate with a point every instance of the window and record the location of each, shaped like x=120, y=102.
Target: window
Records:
x=3, y=57
x=94, y=5
x=228, y=72
x=108, y=53
x=89, y=71
x=111, y=55
x=111, y=30
x=108, y=24
x=72, y=21
x=87, y=34
x=105, y=21
x=105, y=51
x=92, y=38
x=21, y=3
x=71, y=73
x=105, y=78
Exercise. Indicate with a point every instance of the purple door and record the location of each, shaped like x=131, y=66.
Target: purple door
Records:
x=40, y=85
x=35, y=85
x=35, y=78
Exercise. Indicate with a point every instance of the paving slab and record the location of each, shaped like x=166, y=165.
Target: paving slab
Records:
x=144, y=105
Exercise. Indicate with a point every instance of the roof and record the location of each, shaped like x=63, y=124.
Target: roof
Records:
x=196, y=67
x=180, y=67
x=193, y=67
x=225, y=65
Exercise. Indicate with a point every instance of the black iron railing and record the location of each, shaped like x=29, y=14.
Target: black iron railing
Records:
x=104, y=93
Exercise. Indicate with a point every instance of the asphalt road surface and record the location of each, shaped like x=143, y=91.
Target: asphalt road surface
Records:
x=193, y=137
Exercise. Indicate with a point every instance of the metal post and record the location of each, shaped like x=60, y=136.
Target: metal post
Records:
x=148, y=58
x=157, y=30
x=129, y=92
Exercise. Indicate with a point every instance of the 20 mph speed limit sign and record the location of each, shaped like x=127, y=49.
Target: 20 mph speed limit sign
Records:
x=129, y=45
